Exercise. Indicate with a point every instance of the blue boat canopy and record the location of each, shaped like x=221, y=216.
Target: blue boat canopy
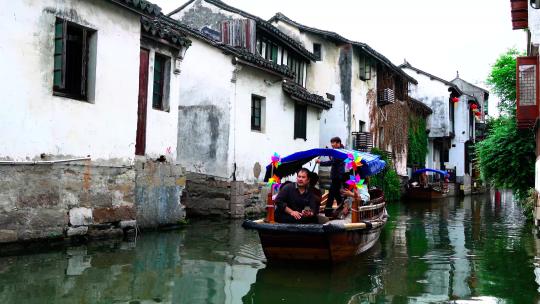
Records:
x=371, y=163
x=419, y=171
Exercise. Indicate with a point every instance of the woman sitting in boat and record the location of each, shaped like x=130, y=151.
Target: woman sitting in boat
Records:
x=296, y=202
x=349, y=196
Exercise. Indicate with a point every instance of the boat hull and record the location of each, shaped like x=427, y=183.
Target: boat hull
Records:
x=334, y=246
x=424, y=194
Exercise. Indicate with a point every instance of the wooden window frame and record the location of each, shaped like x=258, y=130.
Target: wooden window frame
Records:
x=160, y=105
x=300, y=121
x=60, y=59
x=256, y=112
x=364, y=67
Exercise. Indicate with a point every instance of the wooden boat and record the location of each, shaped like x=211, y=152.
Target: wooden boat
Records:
x=423, y=190
x=334, y=241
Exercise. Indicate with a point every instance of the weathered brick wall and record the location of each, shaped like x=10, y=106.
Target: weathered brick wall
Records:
x=210, y=196
x=47, y=201
x=158, y=189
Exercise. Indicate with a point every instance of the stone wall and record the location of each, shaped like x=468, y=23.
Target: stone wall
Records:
x=86, y=199
x=212, y=196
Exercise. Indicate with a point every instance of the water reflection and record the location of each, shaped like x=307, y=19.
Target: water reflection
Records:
x=468, y=251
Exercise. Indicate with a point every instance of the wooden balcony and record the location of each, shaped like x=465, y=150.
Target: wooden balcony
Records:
x=363, y=141
x=520, y=19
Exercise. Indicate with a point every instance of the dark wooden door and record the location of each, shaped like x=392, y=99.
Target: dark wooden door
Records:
x=140, y=144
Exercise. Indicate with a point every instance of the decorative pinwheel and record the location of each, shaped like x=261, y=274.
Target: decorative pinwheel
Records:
x=274, y=182
x=353, y=161
x=355, y=182
x=276, y=160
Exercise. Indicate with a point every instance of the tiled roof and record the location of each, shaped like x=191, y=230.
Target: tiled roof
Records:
x=161, y=29
x=142, y=7
x=407, y=65
x=419, y=107
x=300, y=93
x=338, y=38
x=262, y=24
x=240, y=53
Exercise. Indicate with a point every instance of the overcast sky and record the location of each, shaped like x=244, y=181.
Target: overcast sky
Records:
x=439, y=37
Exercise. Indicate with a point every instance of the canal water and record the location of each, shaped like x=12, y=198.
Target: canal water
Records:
x=468, y=250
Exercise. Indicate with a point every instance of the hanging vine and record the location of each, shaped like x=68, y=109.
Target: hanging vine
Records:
x=418, y=141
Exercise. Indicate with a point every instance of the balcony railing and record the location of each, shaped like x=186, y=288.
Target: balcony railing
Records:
x=363, y=141
x=385, y=97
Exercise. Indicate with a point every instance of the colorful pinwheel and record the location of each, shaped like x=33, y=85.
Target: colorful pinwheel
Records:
x=355, y=182
x=353, y=161
x=276, y=160
x=274, y=182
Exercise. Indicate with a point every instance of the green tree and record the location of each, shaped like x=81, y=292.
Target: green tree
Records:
x=507, y=155
x=502, y=79
x=387, y=180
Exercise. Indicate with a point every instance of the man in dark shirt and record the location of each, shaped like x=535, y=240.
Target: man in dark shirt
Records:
x=292, y=200
x=336, y=174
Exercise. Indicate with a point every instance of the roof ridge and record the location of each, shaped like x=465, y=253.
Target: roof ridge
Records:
x=446, y=82
x=261, y=22
x=336, y=36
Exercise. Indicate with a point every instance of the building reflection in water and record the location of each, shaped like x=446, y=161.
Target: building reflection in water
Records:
x=462, y=250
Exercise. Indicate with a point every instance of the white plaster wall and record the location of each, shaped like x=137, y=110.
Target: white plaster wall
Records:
x=435, y=95
x=534, y=25
x=472, y=91
x=432, y=158
x=324, y=77
x=457, y=153
x=162, y=126
x=33, y=120
x=360, y=89
x=205, y=87
x=251, y=147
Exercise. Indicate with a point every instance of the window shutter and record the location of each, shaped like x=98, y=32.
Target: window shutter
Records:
x=84, y=62
x=239, y=33
x=300, y=117
x=60, y=37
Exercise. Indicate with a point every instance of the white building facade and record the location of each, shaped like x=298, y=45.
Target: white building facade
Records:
x=451, y=125
x=72, y=114
x=238, y=106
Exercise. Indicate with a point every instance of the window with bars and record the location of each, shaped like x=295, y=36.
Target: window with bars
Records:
x=257, y=104
x=71, y=45
x=160, y=84
x=527, y=84
x=300, y=121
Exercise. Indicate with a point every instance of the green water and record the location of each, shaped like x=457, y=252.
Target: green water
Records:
x=459, y=251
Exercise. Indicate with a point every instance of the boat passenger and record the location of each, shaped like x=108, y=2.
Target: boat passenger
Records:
x=296, y=202
x=337, y=172
x=363, y=195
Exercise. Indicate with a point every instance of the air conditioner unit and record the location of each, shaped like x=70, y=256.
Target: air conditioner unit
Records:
x=385, y=97
x=535, y=4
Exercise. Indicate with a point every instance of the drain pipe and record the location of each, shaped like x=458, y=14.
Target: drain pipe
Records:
x=42, y=162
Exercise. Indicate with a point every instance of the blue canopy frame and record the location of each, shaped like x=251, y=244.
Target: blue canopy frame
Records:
x=371, y=163
x=419, y=171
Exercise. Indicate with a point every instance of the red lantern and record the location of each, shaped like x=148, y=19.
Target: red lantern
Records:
x=477, y=114
x=474, y=106
x=455, y=99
